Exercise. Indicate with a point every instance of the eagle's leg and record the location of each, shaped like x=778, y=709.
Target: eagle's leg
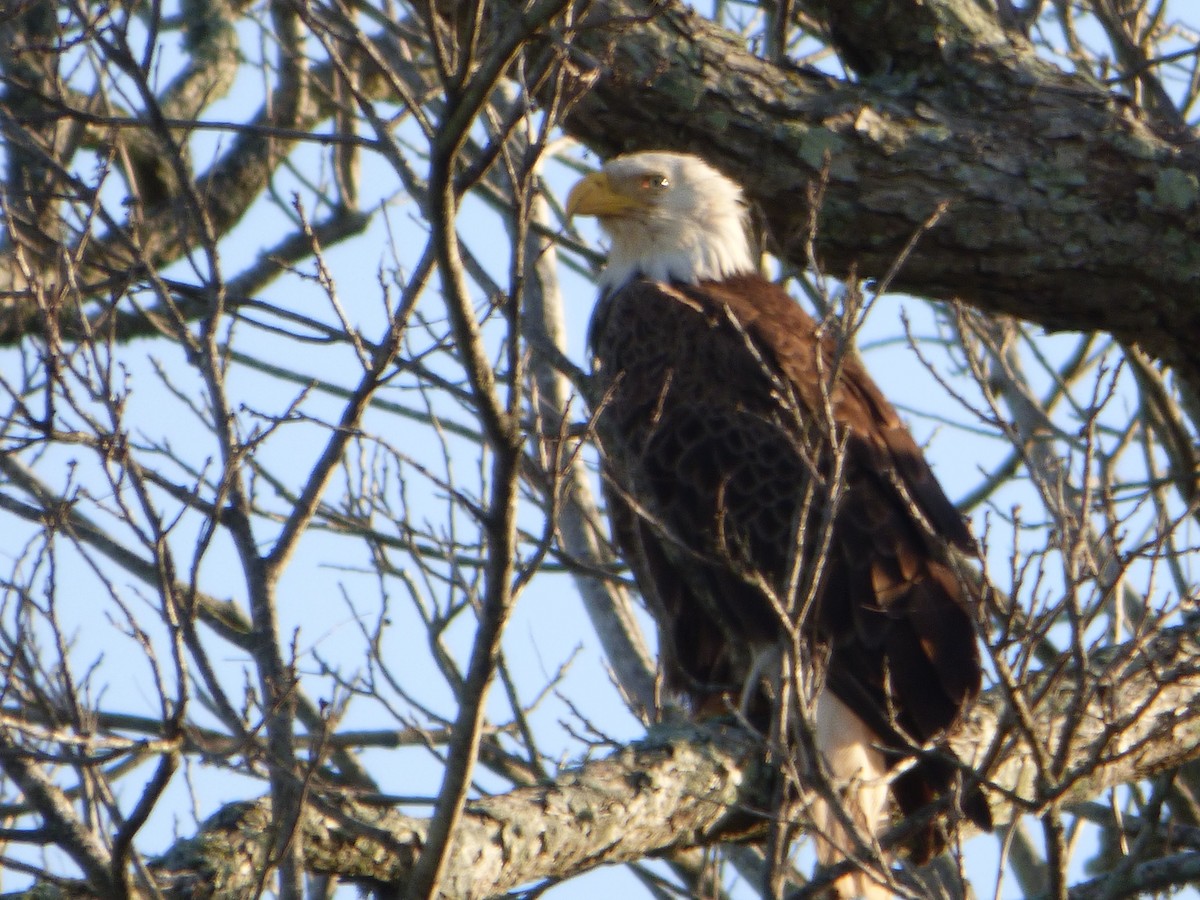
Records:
x=860, y=775
x=763, y=680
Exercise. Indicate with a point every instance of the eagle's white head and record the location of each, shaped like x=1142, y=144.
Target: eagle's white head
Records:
x=671, y=217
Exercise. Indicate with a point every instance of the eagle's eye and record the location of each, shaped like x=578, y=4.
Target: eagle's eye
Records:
x=654, y=183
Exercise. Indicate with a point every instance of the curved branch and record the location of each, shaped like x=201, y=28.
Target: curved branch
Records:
x=699, y=785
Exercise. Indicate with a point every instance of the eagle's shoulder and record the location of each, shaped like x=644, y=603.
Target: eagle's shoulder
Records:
x=824, y=373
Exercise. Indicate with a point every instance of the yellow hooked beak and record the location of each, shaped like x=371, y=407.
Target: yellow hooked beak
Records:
x=594, y=195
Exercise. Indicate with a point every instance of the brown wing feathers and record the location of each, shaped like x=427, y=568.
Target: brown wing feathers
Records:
x=699, y=426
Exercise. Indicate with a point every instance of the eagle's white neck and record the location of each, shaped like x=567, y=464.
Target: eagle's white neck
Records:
x=710, y=244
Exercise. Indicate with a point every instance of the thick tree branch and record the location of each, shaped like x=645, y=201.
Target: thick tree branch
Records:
x=1075, y=214
x=687, y=786
x=911, y=37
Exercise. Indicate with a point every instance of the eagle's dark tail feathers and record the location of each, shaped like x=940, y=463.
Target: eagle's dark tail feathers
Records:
x=934, y=776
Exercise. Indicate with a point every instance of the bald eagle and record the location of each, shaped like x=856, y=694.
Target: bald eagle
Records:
x=760, y=486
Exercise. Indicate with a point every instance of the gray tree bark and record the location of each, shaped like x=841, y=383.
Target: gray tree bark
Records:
x=1067, y=205
x=689, y=786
